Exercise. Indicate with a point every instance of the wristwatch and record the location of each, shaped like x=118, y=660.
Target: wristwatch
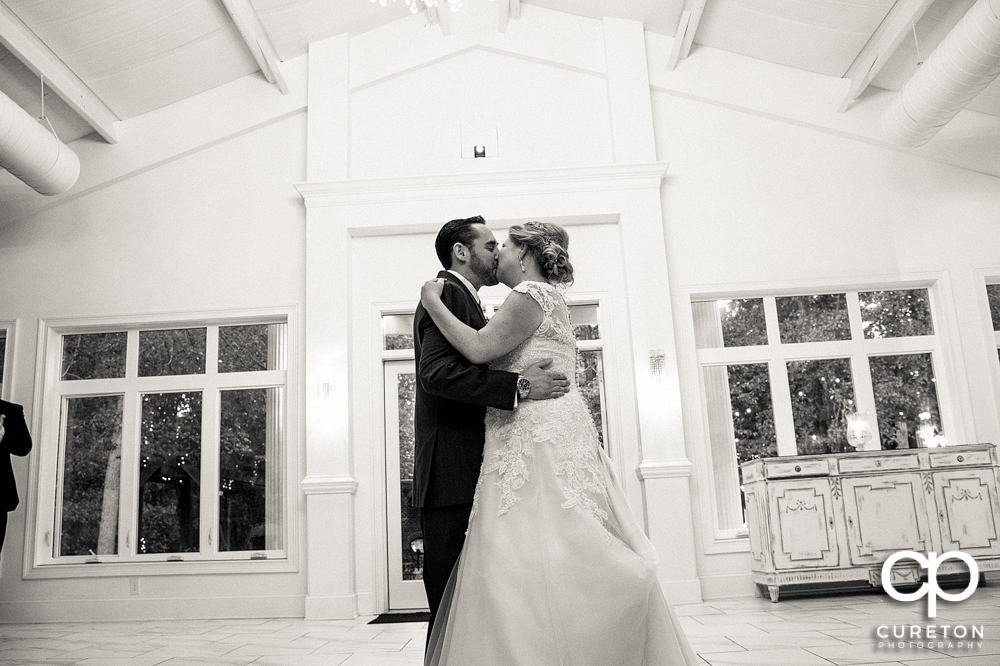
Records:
x=523, y=387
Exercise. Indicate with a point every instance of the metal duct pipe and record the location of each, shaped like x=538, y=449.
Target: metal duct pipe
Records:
x=964, y=63
x=32, y=154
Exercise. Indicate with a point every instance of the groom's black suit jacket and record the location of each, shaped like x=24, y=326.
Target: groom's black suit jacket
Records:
x=16, y=441
x=451, y=401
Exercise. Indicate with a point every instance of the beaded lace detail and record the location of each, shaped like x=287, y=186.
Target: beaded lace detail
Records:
x=512, y=438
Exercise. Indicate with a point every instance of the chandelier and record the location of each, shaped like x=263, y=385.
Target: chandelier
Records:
x=416, y=5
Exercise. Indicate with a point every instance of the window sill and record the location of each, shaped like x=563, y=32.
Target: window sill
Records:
x=188, y=568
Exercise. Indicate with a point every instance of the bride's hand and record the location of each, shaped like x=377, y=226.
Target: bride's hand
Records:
x=431, y=292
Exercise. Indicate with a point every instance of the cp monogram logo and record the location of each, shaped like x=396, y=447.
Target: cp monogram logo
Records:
x=930, y=588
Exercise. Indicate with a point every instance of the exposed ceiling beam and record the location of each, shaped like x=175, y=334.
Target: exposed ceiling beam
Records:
x=509, y=9
x=257, y=40
x=675, y=50
x=444, y=17
x=37, y=57
x=895, y=27
x=687, y=26
x=696, y=7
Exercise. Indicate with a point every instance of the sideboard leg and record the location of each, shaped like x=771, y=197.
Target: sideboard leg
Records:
x=758, y=590
x=773, y=591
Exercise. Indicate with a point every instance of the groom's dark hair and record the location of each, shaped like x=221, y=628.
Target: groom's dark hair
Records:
x=455, y=231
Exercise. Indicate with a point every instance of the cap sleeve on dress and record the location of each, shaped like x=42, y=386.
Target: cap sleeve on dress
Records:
x=538, y=291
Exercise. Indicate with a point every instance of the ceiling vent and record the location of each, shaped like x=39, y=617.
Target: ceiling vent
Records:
x=964, y=63
x=33, y=154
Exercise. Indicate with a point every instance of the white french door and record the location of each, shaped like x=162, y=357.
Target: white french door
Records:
x=405, y=538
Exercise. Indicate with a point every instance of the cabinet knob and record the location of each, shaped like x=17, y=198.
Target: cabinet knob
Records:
x=961, y=459
x=878, y=463
x=798, y=468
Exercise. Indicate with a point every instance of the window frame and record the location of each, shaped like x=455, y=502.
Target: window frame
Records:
x=51, y=394
x=6, y=375
x=858, y=349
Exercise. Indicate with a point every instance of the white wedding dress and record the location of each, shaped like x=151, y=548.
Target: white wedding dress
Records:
x=555, y=569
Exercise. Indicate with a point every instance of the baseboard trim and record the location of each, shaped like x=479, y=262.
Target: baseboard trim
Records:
x=145, y=608
x=343, y=607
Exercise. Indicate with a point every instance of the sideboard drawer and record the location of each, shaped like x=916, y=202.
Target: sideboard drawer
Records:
x=878, y=463
x=958, y=458
x=784, y=470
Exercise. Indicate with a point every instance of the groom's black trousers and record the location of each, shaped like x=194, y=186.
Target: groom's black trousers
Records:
x=444, y=535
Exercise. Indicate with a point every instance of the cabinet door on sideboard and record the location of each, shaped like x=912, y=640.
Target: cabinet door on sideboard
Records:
x=805, y=536
x=885, y=514
x=968, y=511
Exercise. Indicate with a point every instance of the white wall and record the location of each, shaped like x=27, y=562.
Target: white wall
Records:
x=754, y=203
x=219, y=229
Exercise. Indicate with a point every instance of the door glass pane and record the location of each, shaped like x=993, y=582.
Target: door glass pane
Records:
x=91, y=476
x=170, y=472
x=252, y=348
x=412, y=535
x=822, y=393
x=589, y=380
x=3, y=355
x=993, y=294
x=172, y=352
x=250, y=488
x=813, y=318
x=740, y=417
x=906, y=401
x=397, y=331
x=586, y=321
x=894, y=314
x=93, y=356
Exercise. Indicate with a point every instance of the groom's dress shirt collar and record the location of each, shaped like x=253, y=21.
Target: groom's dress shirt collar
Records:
x=468, y=285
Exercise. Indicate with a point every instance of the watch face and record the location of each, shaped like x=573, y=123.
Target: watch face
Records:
x=523, y=386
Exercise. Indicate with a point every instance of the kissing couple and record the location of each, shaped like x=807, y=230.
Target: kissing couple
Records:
x=532, y=556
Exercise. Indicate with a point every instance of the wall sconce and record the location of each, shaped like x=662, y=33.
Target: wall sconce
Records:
x=479, y=151
x=657, y=360
x=327, y=385
x=859, y=430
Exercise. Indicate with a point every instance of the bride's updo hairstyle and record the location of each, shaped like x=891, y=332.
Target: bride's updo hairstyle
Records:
x=549, y=244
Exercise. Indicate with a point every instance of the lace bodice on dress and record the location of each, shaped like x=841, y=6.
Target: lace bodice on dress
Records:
x=564, y=423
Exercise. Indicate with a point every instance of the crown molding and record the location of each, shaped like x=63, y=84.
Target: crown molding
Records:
x=615, y=177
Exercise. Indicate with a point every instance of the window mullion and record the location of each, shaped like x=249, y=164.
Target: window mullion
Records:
x=210, y=415
x=128, y=501
x=781, y=402
x=864, y=392
x=777, y=370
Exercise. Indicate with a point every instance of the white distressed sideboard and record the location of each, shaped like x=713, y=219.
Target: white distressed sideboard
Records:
x=829, y=521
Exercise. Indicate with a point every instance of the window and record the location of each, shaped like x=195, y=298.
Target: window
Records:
x=3, y=357
x=993, y=294
x=781, y=374
x=171, y=443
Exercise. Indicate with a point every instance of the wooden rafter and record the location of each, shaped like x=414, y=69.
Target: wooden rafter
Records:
x=895, y=27
x=257, y=40
x=36, y=56
x=509, y=9
x=687, y=26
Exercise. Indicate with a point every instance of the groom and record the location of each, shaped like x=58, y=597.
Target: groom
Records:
x=452, y=396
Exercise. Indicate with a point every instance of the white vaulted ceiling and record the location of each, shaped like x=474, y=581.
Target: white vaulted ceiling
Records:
x=130, y=57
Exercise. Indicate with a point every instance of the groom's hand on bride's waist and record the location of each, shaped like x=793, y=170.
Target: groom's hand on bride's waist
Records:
x=545, y=383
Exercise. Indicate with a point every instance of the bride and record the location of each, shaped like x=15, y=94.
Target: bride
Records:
x=555, y=568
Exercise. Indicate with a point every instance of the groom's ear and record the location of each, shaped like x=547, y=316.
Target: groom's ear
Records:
x=459, y=251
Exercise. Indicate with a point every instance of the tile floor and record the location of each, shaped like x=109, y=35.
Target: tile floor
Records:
x=732, y=632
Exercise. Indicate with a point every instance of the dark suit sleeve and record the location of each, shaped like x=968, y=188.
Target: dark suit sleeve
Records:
x=444, y=372
x=16, y=439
